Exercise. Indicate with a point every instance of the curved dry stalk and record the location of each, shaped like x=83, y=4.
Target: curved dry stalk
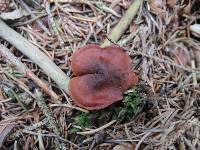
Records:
x=33, y=52
x=93, y=131
x=70, y=106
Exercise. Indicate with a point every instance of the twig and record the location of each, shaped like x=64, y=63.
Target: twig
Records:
x=197, y=56
x=157, y=59
x=41, y=143
x=69, y=106
x=50, y=135
x=37, y=125
x=123, y=24
x=53, y=25
x=28, y=21
x=195, y=84
x=96, y=130
x=19, y=83
x=180, y=129
x=142, y=139
x=33, y=16
x=18, y=100
x=41, y=103
x=31, y=51
x=124, y=41
x=11, y=59
x=103, y=7
x=188, y=143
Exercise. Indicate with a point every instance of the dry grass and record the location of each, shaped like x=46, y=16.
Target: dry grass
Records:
x=164, y=52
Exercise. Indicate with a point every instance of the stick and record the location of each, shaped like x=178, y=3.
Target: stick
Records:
x=123, y=24
x=11, y=59
x=33, y=52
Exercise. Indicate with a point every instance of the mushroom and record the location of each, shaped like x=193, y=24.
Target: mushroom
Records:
x=101, y=76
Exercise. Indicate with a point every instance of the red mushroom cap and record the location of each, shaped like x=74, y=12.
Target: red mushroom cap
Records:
x=102, y=75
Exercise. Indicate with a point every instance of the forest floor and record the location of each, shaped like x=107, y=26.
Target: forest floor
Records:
x=161, y=112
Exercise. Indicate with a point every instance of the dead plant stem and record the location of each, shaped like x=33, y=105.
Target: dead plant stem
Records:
x=123, y=24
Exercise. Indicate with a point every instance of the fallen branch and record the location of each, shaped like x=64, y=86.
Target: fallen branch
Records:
x=11, y=59
x=123, y=24
x=33, y=52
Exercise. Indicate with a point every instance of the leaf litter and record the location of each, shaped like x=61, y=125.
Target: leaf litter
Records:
x=162, y=112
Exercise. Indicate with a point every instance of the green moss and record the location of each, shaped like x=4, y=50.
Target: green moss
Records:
x=130, y=106
x=131, y=101
x=122, y=112
x=82, y=120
